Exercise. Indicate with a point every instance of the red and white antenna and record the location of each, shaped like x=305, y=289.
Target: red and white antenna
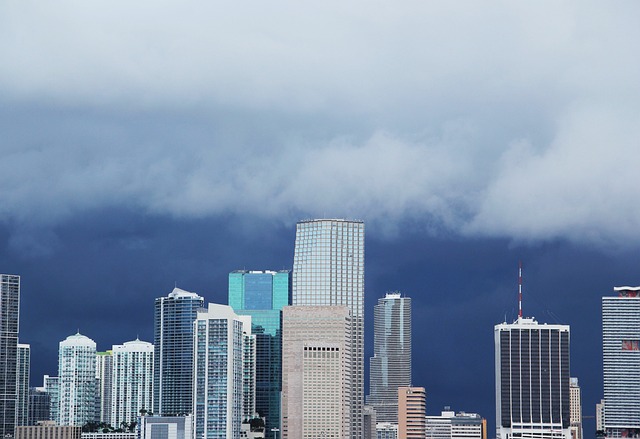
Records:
x=520, y=289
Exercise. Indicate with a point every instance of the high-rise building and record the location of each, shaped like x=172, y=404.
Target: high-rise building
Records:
x=77, y=380
x=411, y=412
x=219, y=372
x=9, y=324
x=173, y=357
x=22, y=384
x=328, y=270
x=104, y=373
x=390, y=366
x=532, y=380
x=621, y=362
x=52, y=387
x=262, y=295
x=248, y=373
x=39, y=405
x=132, y=383
x=575, y=401
x=316, y=361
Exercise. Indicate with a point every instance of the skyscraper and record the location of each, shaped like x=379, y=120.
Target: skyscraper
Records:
x=316, y=362
x=411, y=412
x=39, y=405
x=173, y=357
x=621, y=362
x=390, y=365
x=132, y=382
x=219, y=369
x=104, y=373
x=262, y=295
x=328, y=270
x=22, y=384
x=77, y=381
x=9, y=323
x=52, y=387
x=532, y=380
x=575, y=401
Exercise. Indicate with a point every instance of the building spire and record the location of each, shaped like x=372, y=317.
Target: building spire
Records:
x=519, y=289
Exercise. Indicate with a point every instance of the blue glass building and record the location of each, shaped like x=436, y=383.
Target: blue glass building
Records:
x=262, y=295
x=173, y=356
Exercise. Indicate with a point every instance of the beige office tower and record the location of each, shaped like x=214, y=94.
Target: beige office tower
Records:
x=316, y=372
x=328, y=270
x=575, y=409
x=411, y=412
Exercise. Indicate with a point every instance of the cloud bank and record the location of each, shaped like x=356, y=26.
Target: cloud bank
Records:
x=517, y=120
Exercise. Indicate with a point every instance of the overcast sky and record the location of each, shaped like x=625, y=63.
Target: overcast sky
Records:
x=147, y=143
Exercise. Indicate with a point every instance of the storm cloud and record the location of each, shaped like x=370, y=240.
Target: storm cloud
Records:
x=514, y=120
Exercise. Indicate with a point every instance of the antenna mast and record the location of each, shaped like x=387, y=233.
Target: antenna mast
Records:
x=520, y=289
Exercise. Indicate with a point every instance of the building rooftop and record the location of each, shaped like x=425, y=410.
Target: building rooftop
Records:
x=78, y=340
x=180, y=293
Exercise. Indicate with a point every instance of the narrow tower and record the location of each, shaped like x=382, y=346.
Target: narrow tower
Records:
x=390, y=366
x=621, y=362
x=9, y=319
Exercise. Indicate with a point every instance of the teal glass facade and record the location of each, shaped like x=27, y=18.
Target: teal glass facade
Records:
x=262, y=295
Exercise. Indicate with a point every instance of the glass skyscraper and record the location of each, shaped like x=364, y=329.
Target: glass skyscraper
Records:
x=173, y=356
x=262, y=295
x=532, y=380
x=328, y=270
x=621, y=362
x=22, y=400
x=9, y=319
x=390, y=366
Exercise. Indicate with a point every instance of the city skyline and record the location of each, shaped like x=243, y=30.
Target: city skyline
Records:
x=151, y=146
x=446, y=394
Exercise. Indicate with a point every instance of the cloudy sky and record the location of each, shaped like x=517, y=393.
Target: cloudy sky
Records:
x=146, y=144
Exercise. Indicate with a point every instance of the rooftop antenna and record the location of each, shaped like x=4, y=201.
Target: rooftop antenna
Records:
x=519, y=289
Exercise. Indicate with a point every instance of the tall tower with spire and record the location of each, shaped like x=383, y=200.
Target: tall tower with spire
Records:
x=532, y=378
